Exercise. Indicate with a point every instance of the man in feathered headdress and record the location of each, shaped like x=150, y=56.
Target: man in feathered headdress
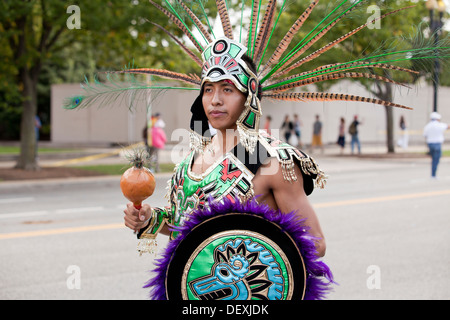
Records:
x=240, y=161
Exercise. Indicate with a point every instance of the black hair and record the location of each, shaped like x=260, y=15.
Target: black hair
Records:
x=251, y=65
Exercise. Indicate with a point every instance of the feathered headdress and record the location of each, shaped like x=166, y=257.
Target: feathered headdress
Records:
x=224, y=58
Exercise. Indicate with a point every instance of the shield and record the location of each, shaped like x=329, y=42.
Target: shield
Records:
x=241, y=251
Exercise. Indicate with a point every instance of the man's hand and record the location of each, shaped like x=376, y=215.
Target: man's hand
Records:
x=137, y=219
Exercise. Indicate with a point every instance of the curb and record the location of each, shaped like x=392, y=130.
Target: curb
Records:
x=33, y=183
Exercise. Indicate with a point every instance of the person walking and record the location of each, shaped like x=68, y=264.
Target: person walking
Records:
x=353, y=130
x=341, y=135
x=287, y=128
x=434, y=135
x=159, y=140
x=317, y=134
x=298, y=131
x=403, y=140
x=268, y=124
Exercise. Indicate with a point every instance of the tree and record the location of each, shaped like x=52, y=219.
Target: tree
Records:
x=39, y=34
x=394, y=32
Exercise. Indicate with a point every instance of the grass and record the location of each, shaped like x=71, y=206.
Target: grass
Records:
x=16, y=150
x=118, y=169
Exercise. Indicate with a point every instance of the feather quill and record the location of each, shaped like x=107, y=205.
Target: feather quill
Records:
x=320, y=96
x=201, y=28
x=224, y=18
x=328, y=77
x=333, y=68
x=180, y=25
x=297, y=52
x=256, y=5
x=197, y=60
x=330, y=45
x=114, y=91
x=284, y=43
x=164, y=74
x=263, y=34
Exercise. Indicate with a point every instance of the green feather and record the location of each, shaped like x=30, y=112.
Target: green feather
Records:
x=206, y=18
x=299, y=46
x=128, y=91
x=419, y=54
x=270, y=37
x=73, y=102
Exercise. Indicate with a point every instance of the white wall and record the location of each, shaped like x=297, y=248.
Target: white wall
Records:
x=116, y=124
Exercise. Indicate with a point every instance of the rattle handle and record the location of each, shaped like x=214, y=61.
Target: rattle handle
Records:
x=138, y=206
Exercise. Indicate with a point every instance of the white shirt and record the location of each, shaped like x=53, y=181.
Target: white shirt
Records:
x=434, y=131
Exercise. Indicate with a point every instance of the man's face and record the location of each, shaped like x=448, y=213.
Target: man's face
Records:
x=223, y=104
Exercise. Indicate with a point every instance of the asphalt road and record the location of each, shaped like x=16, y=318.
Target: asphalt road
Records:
x=386, y=224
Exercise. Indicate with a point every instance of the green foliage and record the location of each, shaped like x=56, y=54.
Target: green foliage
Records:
x=113, y=33
x=36, y=39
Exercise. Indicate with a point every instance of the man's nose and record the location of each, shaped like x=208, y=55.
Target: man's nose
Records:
x=217, y=98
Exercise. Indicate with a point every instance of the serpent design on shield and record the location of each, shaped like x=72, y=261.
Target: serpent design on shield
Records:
x=243, y=269
x=234, y=250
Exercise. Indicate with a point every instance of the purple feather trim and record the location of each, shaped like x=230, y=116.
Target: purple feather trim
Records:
x=318, y=275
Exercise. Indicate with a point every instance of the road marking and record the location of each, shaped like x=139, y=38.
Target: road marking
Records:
x=16, y=200
x=382, y=199
x=23, y=214
x=38, y=233
x=78, y=210
x=46, y=212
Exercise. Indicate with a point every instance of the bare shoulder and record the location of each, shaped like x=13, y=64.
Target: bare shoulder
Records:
x=272, y=175
x=269, y=184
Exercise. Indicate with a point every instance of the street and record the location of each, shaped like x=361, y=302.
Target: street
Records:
x=385, y=221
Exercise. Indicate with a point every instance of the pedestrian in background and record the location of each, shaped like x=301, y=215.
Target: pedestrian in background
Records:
x=287, y=128
x=267, y=124
x=434, y=135
x=298, y=131
x=341, y=135
x=159, y=140
x=317, y=134
x=353, y=130
x=403, y=140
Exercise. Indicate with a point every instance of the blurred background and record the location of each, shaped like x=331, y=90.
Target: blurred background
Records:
x=49, y=47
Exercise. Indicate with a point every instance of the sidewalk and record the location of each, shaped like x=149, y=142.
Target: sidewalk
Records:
x=331, y=161
x=175, y=153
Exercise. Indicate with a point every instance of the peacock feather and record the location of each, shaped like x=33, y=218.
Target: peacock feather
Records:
x=122, y=87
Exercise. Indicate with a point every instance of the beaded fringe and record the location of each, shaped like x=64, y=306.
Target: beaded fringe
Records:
x=198, y=142
x=147, y=245
x=248, y=138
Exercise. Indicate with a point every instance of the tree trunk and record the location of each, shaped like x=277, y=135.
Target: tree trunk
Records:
x=390, y=129
x=384, y=92
x=28, y=144
x=389, y=117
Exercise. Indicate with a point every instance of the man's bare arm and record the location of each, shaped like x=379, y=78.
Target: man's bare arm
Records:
x=288, y=197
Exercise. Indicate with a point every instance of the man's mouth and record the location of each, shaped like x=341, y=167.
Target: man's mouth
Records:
x=216, y=113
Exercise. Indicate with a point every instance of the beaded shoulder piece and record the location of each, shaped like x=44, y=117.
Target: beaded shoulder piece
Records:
x=288, y=156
